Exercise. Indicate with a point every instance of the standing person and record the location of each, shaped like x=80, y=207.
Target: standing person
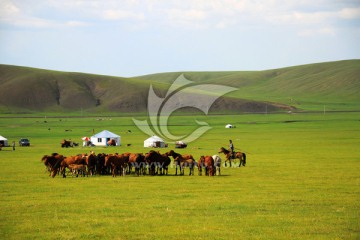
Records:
x=13, y=145
x=231, y=148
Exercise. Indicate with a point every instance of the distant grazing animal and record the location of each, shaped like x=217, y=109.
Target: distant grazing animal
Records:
x=157, y=161
x=237, y=155
x=79, y=159
x=117, y=163
x=53, y=163
x=186, y=159
x=136, y=160
x=217, y=163
x=77, y=169
x=206, y=162
x=91, y=163
x=65, y=143
x=101, y=169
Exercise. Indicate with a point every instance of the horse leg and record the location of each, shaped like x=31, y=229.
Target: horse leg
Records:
x=63, y=172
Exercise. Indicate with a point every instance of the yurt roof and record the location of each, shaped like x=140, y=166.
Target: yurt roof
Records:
x=155, y=139
x=2, y=138
x=105, y=134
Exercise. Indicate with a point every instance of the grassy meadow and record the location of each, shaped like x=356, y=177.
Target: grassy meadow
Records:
x=301, y=181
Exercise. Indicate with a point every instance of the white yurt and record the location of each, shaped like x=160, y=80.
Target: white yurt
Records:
x=155, y=142
x=4, y=141
x=102, y=138
x=229, y=126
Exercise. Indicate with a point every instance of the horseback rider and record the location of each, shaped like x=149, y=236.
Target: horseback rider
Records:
x=231, y=149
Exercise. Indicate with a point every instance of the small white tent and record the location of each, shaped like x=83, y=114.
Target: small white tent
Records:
x=4, y=141
x=229, y=126
x=102, y=138
x=155, y=142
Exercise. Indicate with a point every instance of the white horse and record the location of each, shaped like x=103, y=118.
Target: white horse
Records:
x=217, y=163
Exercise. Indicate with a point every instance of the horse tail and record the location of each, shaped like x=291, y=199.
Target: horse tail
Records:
x=244, y=156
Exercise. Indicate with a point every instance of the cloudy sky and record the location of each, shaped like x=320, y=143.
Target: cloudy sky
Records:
x=137, y=37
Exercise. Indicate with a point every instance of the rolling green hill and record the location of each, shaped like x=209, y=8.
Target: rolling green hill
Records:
x=308, y=87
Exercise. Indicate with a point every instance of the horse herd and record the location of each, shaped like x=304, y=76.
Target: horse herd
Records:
x=152, y=163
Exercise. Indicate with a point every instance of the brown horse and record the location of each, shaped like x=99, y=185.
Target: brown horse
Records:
x=136, y=160
x=91, y=163
x=117, y=163
x=53, y=163
x=77, y=169
x=111, y=142
x=179, y=160
x=78, y=159
x=206, y=162
x=158, y=161
x=231, y=157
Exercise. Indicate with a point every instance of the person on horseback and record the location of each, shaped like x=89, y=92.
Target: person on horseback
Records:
x=231, y=149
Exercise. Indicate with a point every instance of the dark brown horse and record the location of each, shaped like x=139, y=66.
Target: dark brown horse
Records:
x=91, y=163
x=117, y=163
x=206, y=162
x=179, y=160
x=100, y=164
x=158, y=161
x=53, y=163
x=136, y=160
x=232, y=156
x=78, y=159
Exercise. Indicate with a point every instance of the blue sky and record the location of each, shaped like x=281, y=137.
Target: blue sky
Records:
x=134, y=37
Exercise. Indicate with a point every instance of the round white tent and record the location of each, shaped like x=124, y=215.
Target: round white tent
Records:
x=229, y=126
x=102, y=138
x=4, y=141
x=155, y=142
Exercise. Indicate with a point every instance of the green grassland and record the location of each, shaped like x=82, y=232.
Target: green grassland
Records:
x=301, y=181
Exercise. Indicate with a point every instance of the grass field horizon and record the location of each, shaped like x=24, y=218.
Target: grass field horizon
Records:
x=301, y=181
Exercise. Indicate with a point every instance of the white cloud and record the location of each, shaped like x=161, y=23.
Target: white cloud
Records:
x=350, y=13
x=203, y=14
x=121, y=14
x=315, y=32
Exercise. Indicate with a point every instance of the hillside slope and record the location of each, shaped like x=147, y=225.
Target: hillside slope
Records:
x=334, y=83
x=24, y=89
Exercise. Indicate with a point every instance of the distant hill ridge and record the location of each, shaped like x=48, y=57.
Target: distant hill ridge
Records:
x=305, y=87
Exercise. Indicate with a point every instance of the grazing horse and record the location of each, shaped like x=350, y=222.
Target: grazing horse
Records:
x=117, y=162
x=236, y=155
x=91, y=163
x=53, y=163
x=100, y=164
x=191, y=163
x=186, y=159
x=217, y=163
x=77, y=169
x=79, y=159
x=206, y=162
x=136, y=160
x=157, y=160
